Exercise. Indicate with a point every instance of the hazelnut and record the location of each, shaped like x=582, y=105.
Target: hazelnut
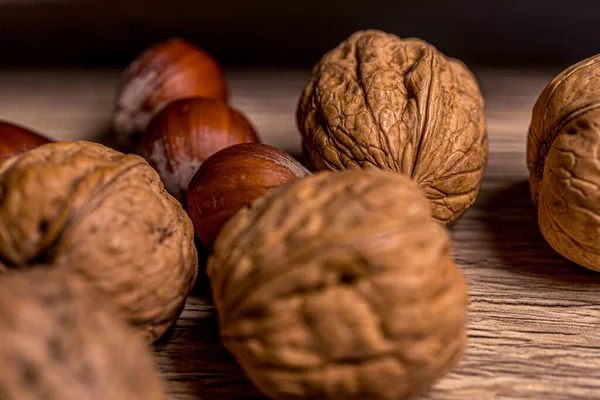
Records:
x=95, y=213
x=562, y=156
x=15, y=140
x=231, y=179
x=377, y=100
x=168, y=71
x=61, y=341
x=340, y=286
x=186, y=133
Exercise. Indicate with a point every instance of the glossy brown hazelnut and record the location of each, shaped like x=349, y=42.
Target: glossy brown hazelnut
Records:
x=168, y=71
x=15, y=140
x=186, y=133
x=233, y=178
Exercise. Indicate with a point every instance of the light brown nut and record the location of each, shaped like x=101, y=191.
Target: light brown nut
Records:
x=104, y=216
x=60, y=341
x=340, y=286
x=377, y=100
x=563, y=161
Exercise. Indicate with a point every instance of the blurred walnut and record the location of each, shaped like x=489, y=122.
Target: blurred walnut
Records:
x=339, y=286
x=562, y=155
x=60, y=341
x=397, y=104
x=106, y=217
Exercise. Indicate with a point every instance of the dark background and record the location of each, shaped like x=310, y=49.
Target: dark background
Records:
x=294, y=33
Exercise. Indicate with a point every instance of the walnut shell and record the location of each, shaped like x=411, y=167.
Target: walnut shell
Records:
x=562, y=156
x=60, y=342
x=105, y=216
x=377, y=100
x=337, y=284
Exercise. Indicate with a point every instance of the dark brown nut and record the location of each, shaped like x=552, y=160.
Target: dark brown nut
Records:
x=186, y=133
x=231, y=179
x=170, y=70
x=397, y=104
x=106, y=217
x=59, y=341
x=562, y=156
x=15, y=140
x=337, y=284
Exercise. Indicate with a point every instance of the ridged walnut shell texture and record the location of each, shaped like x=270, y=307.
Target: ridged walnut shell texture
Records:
x=106, y=217
x=563, y=154
x=340, y=286
x=377, y=100
x=59, y=341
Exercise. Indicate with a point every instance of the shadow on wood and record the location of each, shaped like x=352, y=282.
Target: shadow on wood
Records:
x=191, y=356
x=512, y=220
x=194, y=362
x=202, y=286
x=105, y=135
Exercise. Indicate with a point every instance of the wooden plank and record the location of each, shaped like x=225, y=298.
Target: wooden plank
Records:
x=533, y=315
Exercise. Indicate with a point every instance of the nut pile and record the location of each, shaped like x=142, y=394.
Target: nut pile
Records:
x=330, y=279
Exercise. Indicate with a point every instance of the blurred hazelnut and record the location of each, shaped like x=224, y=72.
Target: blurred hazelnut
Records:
x=15, y=140
x=168, y=71
x=186, y=133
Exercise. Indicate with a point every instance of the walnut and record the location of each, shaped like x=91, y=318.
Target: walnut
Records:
x=60, y=342
x=377, y=100
x=339, y=286
x=562, y=156
x=104, y=216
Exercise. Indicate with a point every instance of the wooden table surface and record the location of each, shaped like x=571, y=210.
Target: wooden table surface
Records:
x=533, y=315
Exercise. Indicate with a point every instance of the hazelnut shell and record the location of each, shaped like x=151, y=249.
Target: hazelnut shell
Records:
x=186, y=133
x=15, y=139
x=168, y=71
x=231, y=179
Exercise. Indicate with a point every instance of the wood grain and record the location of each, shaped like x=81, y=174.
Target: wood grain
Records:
x=533, y=315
